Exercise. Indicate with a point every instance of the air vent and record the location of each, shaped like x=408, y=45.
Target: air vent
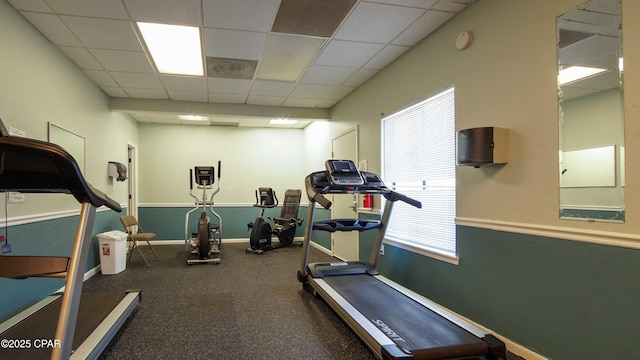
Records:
x=231, y=68
x=311, y=17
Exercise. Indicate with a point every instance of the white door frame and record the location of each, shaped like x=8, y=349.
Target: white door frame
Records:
x=349, y=248
x=132, y=193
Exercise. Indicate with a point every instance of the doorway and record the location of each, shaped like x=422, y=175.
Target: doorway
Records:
x=132, y=204
x=345, y=245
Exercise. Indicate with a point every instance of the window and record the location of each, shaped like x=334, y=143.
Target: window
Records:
x=418, y=160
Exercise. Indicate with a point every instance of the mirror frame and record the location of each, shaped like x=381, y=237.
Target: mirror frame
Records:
x=591, y=165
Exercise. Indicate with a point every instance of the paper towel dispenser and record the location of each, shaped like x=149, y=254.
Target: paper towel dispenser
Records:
x=117, y=171
x=482, y=146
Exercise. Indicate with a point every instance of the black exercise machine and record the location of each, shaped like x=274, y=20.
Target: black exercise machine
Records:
x=284, y=226
x=394, y=322
x=73, y=324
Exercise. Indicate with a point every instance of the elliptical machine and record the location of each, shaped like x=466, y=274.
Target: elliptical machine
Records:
x=204, y=245
x=285, y=224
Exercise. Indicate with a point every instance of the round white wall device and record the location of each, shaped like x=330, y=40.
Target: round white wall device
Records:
x=464, y=39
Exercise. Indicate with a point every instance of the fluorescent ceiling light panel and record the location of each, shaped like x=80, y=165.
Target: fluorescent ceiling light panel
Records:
x=574, y=73
x=175, y=49
x=193, y=117
x=282, y=122
x=287, y=56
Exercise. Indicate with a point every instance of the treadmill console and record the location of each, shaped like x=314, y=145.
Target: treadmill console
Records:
x=344, y=172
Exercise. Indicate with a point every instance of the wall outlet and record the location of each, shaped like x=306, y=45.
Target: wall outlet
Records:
x=382, y=250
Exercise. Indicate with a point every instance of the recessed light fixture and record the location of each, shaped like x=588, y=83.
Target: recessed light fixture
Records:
x=574, y=73
x=175, y=49
x=191, y=117
x=282, y=122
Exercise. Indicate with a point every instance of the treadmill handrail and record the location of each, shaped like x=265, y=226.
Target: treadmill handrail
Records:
x=318, y=183
x=34, y=166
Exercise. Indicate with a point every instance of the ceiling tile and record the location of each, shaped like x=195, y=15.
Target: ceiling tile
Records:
x=81, y=57
x=340, y=92
x=103, y=33
x=272, y=87
x=93, y=8
x=347, y=53
x=287, y=56
x=127, y=61
x=360, y=77
x=224, y=43
x=266, y=100
x=146, y=93
x=385, y=57
x=377, y=23
x=229, y=86
x=31, y=5
x=186, y=12
x=53, y=28
x=134, y=80
x=101, y=77
x=301, y=102
x=188, y=83
x=327, y=103
x=430, y=21
x=240, y=14
x=114, y=91
x=327, y=75
x=247, y=60
x=312, y=91
x=451, y=5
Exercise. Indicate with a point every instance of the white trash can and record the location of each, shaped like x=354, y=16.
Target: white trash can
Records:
x=113, y=252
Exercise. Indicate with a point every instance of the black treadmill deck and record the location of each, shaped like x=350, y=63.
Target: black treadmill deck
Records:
x=410, y=325
x=94, y=308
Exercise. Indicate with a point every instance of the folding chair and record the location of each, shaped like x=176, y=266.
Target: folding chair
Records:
x=130, y=224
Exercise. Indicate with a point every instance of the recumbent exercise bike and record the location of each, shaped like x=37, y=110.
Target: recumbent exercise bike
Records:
x=285, y=225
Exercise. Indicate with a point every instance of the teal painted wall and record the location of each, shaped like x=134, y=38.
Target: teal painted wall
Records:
x=168, y=222
x=563, y=299
x=47, y=238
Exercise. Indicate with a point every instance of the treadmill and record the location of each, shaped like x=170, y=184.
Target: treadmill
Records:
x=393, y=321
x=71, y=324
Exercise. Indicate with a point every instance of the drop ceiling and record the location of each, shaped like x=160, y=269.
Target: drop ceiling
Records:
x=263, y=58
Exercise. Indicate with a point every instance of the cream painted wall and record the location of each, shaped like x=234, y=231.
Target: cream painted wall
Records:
x=251, y=158
x=506, y=79
x=40, y=85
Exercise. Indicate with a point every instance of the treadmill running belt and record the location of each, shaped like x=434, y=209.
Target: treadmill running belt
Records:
x=408, y=324
x=94, y=307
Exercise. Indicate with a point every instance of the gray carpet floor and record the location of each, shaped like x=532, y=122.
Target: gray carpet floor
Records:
x=248, y=307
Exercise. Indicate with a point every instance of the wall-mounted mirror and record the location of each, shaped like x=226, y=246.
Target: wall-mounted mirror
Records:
x=591, y=124
x=70, y=141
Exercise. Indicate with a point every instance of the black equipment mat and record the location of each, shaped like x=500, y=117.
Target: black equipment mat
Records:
x=93, y=309
x=410, y=325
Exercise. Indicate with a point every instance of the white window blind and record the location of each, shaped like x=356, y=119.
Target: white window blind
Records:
x=418, y=160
